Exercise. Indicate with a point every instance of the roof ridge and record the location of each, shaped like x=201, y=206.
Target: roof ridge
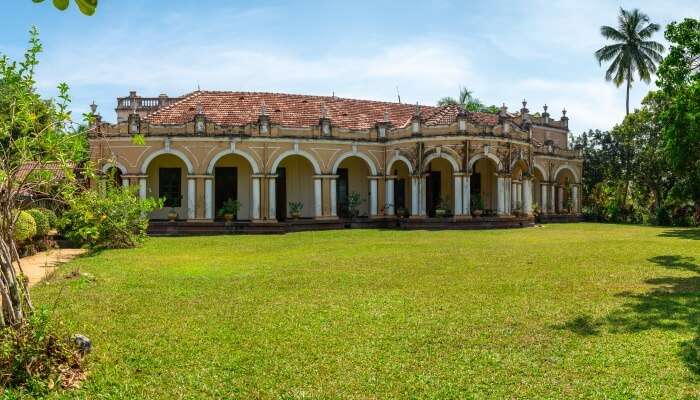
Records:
x=183, y=98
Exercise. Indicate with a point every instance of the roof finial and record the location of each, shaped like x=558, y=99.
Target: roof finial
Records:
x=93, y=107
x=417, y=112
x=563, y=112
x=386, y=115
x=545, y=108
x=524, y=103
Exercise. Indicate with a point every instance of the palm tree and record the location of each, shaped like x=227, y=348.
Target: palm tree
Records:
x=633, y=52
x=465, y=98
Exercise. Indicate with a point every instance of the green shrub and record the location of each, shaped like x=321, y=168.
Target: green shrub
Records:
x=25, y=226
x=51, y=216
x=113, y=218
x=42, y=222
x=34, y=358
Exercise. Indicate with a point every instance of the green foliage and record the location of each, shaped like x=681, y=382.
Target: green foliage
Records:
x=477, y=203
x=114, y=218
x=679, y=103
x=469, y=102
x=633, y=52
x=230, y=206
x=295, y=207
x=25, y=226
x=50, y=217
x=42, y=222
x=35, y=357
x=87, y=7
x=354, y=202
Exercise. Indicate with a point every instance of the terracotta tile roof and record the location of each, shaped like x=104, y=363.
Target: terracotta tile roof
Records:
x=292, y=110
x=54, y=168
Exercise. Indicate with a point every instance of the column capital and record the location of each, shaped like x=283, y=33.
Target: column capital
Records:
x=461, y=174
x=375, y=177
x=204, y=176
x=136, y=176
x=325, y=176
x=257, y=176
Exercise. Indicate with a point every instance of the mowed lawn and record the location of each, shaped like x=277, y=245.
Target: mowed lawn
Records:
x=576, y=310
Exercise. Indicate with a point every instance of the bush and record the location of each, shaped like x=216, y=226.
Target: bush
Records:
x=42, y=222
x=114, y=218
x=35, y=359
x=51, y=217
x=25, y=227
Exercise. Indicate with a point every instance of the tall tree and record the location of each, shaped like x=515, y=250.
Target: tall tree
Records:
x=679, y=101
x=633, y=53
x=36, y=137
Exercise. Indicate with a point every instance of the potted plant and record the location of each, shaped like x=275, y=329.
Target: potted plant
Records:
x=536, y=211
x=229, y=209
x=172, y=215
x=295, y=208
x=354, y=201
x=518, y=211
x=402, y=212
x=477, y=206
x=443, y=208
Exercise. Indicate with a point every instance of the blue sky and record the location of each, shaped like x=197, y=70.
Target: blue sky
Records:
x=504, y=51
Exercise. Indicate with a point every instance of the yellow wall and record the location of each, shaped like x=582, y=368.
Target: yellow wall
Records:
x=300, y=183
x=358, y=171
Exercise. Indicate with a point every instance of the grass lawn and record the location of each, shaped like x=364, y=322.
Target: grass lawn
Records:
x=577, y=310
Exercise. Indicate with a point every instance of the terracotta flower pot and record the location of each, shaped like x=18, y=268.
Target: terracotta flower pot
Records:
x=172, y=216
x=477, y=213
x=228, y=217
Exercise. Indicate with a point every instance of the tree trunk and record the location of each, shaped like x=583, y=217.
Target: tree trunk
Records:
x=14, y=295
x=629, y=84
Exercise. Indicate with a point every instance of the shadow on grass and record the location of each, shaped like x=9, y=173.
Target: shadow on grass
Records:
x=692, y=234
x=673, y=304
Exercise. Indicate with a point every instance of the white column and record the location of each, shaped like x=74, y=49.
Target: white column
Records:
x=552, y=197
x=373, y=197
x=527, y=196
x=125, y=182
x=255, y=207
x=143, y=183
x=191, y=197
x=500, y=195
x=208, y=198
x=514, y=195
x=543, y=197
x=318, y=198
x=271, y=198
x=466, y=195
x=414, y=196
x=458, y=195
x=574, y=200
x=334, y=199
x=423, y=194
x=506, y=189
x=389, y=198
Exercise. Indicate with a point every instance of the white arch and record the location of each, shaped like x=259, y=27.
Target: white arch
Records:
x=178, y=153
x=499, y=164
x=285, y=154
x=542, y=170
x=399, y=158
x=446, y=156
x=116, y=165
x=372, y=167
x=218, y=156
x=573, y=172
x=515, y=162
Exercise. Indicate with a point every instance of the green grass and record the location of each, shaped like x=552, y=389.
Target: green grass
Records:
x=578, y=310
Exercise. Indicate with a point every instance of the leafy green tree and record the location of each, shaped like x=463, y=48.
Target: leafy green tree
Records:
x=468, y=101
x=633, y=53
x=679, y=102
x=87, y=7
x=34, y=133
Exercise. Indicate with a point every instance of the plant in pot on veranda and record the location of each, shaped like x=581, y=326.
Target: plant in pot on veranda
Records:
x=443, y=208
x=229, y=209
x=477, y=206
x=518, y=211
x=295, y=208
x=354, y=201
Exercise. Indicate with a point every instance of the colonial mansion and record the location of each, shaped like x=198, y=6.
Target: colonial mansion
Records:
x=314, y=161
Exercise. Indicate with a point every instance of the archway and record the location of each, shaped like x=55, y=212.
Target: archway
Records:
x=114, y=174
x=398, y=188
x=353, y=186
x=537, y=180
x=167, y=179
x=483, y=185
x=439, y=190
x=232, y=181
x=564, y=196
x=517, y=193
x=294, y=187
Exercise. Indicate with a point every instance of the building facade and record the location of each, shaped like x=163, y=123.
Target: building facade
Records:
x=337, y=157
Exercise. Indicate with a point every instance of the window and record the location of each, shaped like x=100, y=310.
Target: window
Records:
x=170, y=186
